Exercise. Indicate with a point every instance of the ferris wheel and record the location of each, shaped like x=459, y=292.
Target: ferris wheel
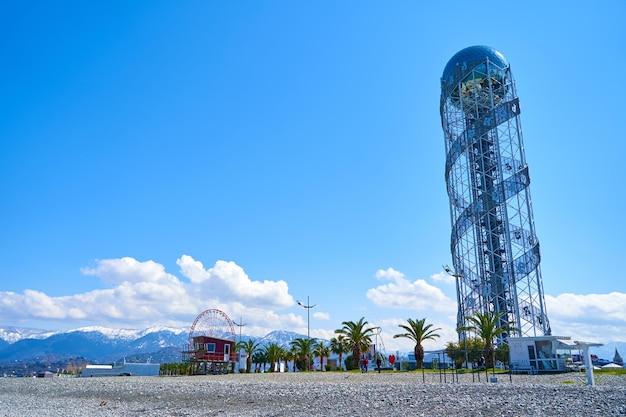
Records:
x=214, y=323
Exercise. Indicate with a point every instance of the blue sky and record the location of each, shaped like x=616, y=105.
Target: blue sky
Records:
x=161, y=158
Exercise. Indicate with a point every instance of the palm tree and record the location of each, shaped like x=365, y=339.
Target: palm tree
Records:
x=260, y=358
x=274, y=353
x=303, y=347
x=418, y=332
x=290, y=355
x=323, y=351
x=488, y=326
x=357, y=336
x=249, y=346
x=339, y=346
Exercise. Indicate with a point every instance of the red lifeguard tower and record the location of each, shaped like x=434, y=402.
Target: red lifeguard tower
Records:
x=211, y=344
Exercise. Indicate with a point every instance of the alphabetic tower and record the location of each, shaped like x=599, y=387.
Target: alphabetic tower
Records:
x=494, y=247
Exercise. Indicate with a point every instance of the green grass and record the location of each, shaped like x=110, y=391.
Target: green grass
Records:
x=610, y=372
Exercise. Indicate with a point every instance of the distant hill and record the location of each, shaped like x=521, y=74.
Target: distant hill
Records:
x=103, y=345
x=608, y=350
x=280, y=337
x=94, y=345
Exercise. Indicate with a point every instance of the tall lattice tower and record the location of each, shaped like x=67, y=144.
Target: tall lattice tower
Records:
x=494, y=247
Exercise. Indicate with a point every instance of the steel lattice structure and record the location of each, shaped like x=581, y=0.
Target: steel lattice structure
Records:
x=494, y=247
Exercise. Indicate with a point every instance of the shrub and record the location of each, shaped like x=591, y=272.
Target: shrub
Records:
x=349, y=363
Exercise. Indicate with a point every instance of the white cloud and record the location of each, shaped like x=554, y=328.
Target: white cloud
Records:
x=589, y=317
x=320, y=315
x=40, y=304
x=401, y=293
x=442, y=277
x=117, y=271
x=321, y=333
x=229, y=281
x=259, y=322
x=143, y=293
x=590, y=307
x=388, y=274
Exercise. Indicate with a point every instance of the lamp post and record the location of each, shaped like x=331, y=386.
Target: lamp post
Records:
x=457, y=278
x=240, y=325
x=308, y=307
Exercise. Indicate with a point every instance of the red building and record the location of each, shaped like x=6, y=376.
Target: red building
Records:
x=211, y=355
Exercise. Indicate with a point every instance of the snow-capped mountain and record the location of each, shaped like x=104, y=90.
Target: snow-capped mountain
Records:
x=13, y=334
x=104, y=345
x=95, y=344
x=280, y=337
x=130, y=334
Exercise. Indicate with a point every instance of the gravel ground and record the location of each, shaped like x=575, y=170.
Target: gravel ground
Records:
x=315, y=394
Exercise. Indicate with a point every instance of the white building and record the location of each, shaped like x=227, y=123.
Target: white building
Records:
x=541, y=353
x=126, y=369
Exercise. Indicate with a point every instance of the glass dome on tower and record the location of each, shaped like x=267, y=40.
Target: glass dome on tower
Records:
x=473, y=55
x=472, y=75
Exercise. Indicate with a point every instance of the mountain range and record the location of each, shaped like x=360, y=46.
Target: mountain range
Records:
x=103, y=345
x=158, y=344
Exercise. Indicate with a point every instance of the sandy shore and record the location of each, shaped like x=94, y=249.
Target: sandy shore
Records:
x=315, y=394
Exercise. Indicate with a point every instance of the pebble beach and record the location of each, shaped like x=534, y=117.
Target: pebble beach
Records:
x=316, y=394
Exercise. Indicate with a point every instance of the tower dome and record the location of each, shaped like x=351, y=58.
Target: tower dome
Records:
x=473, y=55
x=473, y=77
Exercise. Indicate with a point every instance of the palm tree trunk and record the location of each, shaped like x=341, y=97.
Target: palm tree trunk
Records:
x=418, y=351
x=356, y=357
x=490, y=355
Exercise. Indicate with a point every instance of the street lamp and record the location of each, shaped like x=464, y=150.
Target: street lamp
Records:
x=240, y=325
x=461, y=312
x=308, y=328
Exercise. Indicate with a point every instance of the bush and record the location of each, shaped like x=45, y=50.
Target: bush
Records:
x=349, y=363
